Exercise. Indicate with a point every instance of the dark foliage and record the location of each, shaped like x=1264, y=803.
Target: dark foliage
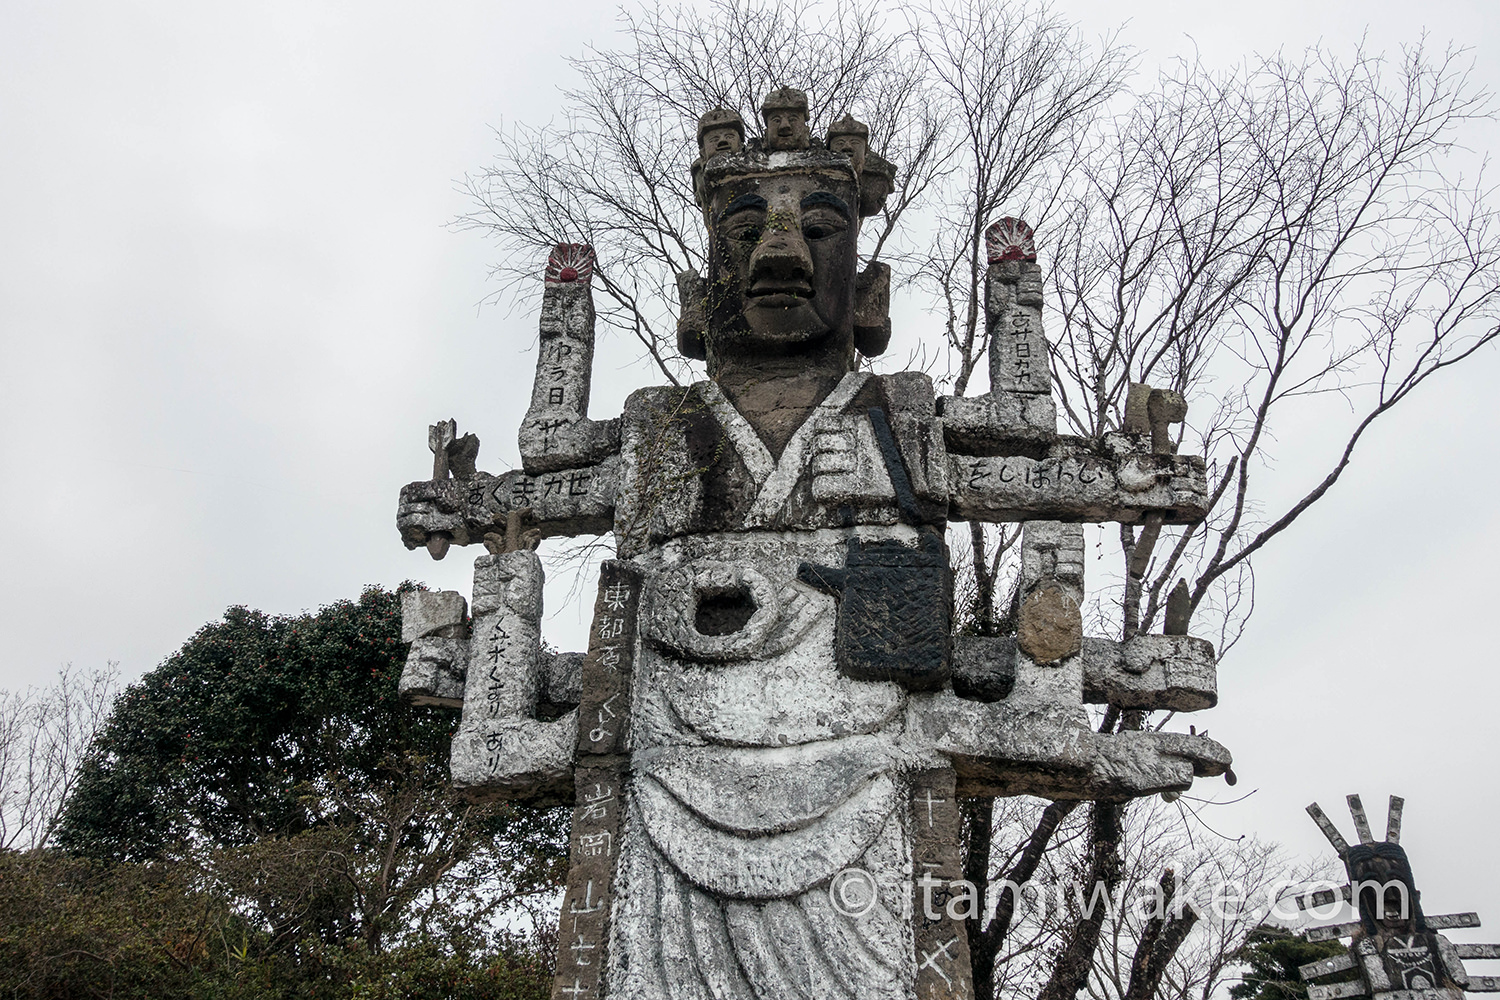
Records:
x=1271, y=957
x=216, y=745
x=263, y=816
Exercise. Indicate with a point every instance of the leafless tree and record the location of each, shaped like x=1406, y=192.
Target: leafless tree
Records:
x=615, y=171
x=1287, y=242
x=1181, y=902
x=44, y=735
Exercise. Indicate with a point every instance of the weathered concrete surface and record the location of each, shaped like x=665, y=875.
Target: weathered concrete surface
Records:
x=516, y=758
x=567, y=502
x=1013, y=313
x=1005, y=748
x=1075, y=484
x=556, y=433
x=436, y=625
x=765, y=742
x=1179, y=675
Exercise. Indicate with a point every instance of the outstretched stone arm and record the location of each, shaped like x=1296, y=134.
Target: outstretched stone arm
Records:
x=1076, y=483
x=1036, y=748
x=563, y=502
x=1007, y=461
x=557, y=434
x=1148, y=673
x=569, y=463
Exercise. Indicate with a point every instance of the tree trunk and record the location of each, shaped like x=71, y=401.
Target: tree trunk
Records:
x=1159, y=942
x=1071, y=973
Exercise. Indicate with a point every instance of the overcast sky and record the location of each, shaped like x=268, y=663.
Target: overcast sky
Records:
x=230, y=306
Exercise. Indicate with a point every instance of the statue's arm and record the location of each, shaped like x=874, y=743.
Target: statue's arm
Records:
x=1041, y=748
x=577, y=501
x=1006, y=460
x=1074, y=481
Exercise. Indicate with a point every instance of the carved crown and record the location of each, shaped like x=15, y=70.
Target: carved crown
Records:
x=875, y=175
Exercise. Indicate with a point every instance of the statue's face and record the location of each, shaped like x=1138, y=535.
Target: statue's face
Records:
x=1397, y=914
x=725, y=139
x=781, y=264
x=851, y=146
x=786, y=129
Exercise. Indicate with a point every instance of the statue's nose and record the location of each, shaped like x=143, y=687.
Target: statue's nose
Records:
x=781, y=257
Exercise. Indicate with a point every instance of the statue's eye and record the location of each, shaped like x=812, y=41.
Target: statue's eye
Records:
x=746, y=230
x=822, y=226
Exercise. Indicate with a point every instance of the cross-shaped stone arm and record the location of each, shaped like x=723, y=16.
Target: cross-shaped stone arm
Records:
x=519, y=733
x=570, y=464
x=1006, y=460
x=1014, y=720
x=574, y=501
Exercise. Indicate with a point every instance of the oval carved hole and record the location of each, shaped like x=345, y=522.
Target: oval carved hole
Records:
x=723, y=612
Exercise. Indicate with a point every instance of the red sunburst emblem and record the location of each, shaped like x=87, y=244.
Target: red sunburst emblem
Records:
x=570, y=262
x=1010, y=239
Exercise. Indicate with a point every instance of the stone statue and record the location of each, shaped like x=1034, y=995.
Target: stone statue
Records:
x=720, y=131
x=765, y=742
x=784, y=112
x=851, y=138
x=1394, y=946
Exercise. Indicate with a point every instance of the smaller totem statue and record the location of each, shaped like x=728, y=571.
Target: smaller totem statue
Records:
x=1395, y=947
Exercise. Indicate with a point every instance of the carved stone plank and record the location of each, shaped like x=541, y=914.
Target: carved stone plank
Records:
x=1327, y=966
x=1013, y=312
x=583, y=931
x=557, y=433
x=605, y=698
x=1324, y=897
x=583, y=936
x=942, y=942
x=1171, y=672
x=1329, y=932
x=1336, y=991
x=567, y=502
x=1077, y=487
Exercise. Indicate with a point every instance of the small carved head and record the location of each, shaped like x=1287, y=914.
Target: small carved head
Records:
x=720, y=131
x=785, y=113
x=852, y=138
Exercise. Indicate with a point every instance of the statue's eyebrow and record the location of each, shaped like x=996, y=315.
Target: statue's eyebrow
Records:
x=833, y=201
x=743, y=202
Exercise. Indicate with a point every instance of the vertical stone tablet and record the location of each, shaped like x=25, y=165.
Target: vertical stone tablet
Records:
x=583, y=934
x=505, y=671
x=554, y=434
x=1013, y=312
x=942, y=941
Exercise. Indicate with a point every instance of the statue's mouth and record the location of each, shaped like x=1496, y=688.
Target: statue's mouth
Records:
x=779, y=294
